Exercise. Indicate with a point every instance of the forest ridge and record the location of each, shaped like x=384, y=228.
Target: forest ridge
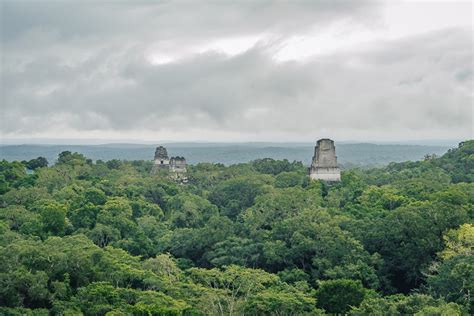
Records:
x=107, y=238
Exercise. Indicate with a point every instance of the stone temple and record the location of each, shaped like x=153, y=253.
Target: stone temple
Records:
x=162, y=161
x=174, y=165
x=324, y=165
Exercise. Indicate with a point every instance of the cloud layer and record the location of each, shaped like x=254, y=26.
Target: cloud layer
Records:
x=185, y=71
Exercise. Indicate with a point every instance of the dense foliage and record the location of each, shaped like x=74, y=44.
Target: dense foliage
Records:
x=106, y=238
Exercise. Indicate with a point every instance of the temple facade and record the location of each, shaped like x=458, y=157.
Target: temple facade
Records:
x=178, y=164
x=324, y=164
x=162, y=161
x=174, y=165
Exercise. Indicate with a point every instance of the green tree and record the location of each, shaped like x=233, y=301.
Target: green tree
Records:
x=409, y=237
x=193, y=243
x=415, y=304
x=338, y=296
x=271, y=166
x=234, y=195
x=289, y=179
x=385, y=197
x=279, y=204
x=21, y=287
x=459, y=162
x=66, y=157
x=117, y=213
x=95, y=196
x=453, y=280
x=85, y=216
x=313, y=242
x=458, y=242
x=235, y=250
x=189, y=210
x=281, y=301
x=36, y=163
x=235, y=285
x=10, y=174
x=53, y=216
x=23, y=221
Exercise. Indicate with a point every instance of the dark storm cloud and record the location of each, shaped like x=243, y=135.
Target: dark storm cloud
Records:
x=83, y=67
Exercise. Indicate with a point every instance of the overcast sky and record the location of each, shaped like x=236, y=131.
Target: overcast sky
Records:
x=237, y=70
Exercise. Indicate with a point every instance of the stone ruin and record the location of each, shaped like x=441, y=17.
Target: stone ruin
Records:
x=162, y=161
x=324, y=164
x=323, y=167
x=176, y=166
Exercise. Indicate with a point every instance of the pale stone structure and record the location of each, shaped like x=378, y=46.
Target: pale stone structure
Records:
x=324, y=165
x=162, y=161
x=178, y=164
x=175, y=165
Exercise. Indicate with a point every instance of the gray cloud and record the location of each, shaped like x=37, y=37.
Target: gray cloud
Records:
x=83, y=67
x=173, y=19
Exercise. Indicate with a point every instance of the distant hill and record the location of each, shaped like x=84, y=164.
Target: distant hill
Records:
x=349, y=154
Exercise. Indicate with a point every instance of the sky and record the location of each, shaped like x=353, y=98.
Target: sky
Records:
x=225, y=71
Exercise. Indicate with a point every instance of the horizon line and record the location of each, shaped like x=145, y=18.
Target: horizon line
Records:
x=102, y=142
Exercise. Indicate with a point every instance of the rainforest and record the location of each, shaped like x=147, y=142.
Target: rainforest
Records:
x=84, y=237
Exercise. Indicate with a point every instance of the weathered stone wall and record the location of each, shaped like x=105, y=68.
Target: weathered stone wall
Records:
x=163, y=162
x=178, y=164
x=326, y=174
x=324, y=165
x=161, y=153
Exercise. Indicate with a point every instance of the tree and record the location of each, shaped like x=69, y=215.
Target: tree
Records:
x=459, y=162
x=24, y=196
x=453, y=280
x=10, y=174
x=235, y=250
x=158, y=190
x=235, y=285
x=447, y=309
x=409, y=237
x=4, y=185
x=414, y=304
x=282, y=300
x=385, y=197
x=66, y=157
x=338, y=296
x=21, y=220
x=24, y=288
x=194, y=243
x=164, y=266
x=348, y=190
x=189, y=210
x=95, y=196
x=289, y=179
x=36, y=163
x=84, y=216
x=271, y=166
x=458, y=242
x=117, y=213
x=141, y=207
x=53, y=216
x=55, y=178
x=313, y=242
x=234, y=195
x=271, y=208
x=113, y=164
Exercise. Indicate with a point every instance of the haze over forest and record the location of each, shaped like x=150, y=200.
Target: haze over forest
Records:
x=349, y=154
